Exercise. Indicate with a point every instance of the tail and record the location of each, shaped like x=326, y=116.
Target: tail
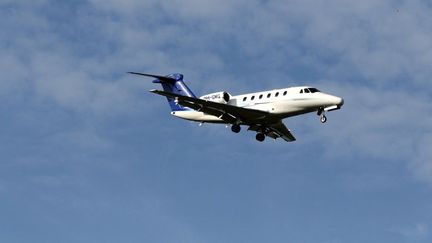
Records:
x=172, y=83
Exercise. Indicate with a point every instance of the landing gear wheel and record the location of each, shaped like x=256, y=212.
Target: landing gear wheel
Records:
x=260, y=137
x=323, y=118
x=235, y=128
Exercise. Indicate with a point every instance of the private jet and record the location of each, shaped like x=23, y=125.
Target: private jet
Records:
x=262, y=111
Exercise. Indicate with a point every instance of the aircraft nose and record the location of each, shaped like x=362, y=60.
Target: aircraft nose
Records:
x=341, y=102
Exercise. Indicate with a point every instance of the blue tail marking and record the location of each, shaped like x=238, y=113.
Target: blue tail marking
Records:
x=174, y=84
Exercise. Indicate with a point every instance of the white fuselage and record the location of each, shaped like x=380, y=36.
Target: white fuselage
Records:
x=280, y=103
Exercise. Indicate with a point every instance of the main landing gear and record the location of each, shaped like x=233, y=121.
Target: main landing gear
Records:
x=260, y=137
x=235, y=128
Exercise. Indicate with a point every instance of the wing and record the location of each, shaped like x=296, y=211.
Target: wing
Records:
x=283, y=132
x=228, y=113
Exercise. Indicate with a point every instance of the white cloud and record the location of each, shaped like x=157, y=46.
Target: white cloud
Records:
x=382, y=40
x=374, y=42
x=421, y=163
x=125, y=7
x=413, y=232
x=377, y=55
x=24, y=2
x=382, y=124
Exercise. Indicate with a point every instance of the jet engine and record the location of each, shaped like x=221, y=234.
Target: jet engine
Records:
x=218, y=97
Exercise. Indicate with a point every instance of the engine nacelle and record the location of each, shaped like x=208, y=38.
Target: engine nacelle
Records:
x=218, y=97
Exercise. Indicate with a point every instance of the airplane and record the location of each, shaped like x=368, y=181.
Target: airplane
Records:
x=262, y=111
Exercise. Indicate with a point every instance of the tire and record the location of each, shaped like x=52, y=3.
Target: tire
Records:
x=260, y=137
x=235, y=128
x=323, y=119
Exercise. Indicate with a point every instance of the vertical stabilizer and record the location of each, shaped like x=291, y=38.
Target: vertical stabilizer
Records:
x=172, y=83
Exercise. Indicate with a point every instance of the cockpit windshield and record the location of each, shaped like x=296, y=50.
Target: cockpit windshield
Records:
x=309, y=90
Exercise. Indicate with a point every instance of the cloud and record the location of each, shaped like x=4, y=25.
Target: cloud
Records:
x=421, y=162
x=373, y=52
x=376, y=55
x=414, y=232
x=388, y=125
x=77, y=124
x=382, y=41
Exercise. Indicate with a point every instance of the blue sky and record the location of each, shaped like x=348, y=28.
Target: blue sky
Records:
x=88, y=155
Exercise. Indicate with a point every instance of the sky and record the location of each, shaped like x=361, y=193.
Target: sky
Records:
x=89, y=155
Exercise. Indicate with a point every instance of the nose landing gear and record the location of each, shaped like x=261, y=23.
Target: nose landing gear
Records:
x=323, y=118
x=261, y=131
x=321, y=113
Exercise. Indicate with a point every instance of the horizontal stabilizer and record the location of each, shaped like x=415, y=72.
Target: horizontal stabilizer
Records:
x=161, y=78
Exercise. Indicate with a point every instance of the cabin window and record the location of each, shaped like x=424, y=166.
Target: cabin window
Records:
x=260, y=96
x=285, y=92
x=253, y=97
x=268, y=95
x=277, y=94
x=244, y=98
